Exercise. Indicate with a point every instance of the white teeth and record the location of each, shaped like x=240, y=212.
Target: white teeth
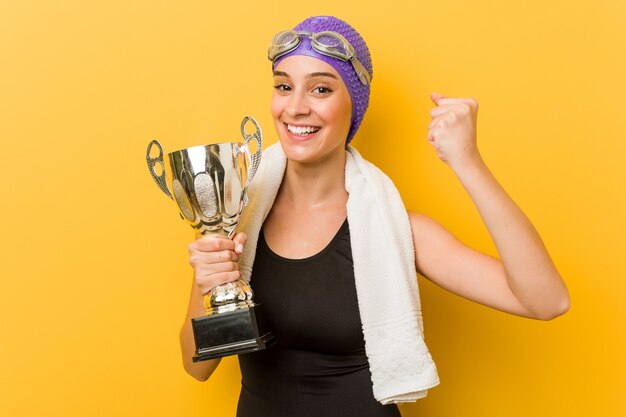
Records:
x=302, y=130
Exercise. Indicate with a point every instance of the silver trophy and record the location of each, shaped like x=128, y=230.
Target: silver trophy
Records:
x=210, y=186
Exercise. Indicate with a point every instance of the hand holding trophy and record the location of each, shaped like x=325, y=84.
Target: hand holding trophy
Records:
x=210, y=186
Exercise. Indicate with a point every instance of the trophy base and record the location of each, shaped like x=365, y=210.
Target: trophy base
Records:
x=230, y=333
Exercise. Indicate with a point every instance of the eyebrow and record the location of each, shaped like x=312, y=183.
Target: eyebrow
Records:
x=311, y=75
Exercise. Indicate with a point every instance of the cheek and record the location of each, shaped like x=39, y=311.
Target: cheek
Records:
x=275, y=106
x=341, y=113
x=348, y=114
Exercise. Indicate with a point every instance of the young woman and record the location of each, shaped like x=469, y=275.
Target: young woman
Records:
x=303, y=259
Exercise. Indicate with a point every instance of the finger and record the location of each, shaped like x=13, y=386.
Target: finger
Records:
x=436, y=120
x=240, y=240
x=207, y=284
x=436, y=111
x=430, y=138
x=459, y=100
x=221, y=256
x=206, y=273
x=199, y=259
x=213, y=243
x=435, y=97
x=216, y=268
x=433, y=134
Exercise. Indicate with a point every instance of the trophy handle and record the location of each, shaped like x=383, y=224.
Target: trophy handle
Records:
x=255, y=159
x=152, y=162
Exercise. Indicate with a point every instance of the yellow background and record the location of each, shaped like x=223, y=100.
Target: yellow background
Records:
x=94, y=274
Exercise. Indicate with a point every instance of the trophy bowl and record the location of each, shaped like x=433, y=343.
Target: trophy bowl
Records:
x=209, y=184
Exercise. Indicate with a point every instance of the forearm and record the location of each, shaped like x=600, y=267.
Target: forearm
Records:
x=530, y=272
x=199, y=370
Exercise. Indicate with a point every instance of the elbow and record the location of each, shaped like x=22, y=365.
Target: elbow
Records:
x=558, y=310
x=198, y=376
x=200, y=371
x=201, y=378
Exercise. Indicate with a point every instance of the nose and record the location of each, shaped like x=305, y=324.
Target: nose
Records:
x=298, y=105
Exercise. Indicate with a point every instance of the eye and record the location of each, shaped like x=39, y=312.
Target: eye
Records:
x=282, y=87
x=322, y=90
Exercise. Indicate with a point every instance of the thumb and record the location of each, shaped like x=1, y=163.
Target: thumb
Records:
x=240, y=240
x=435, y=97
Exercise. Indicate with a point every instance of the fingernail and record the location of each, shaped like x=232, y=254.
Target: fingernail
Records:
x=239, y=248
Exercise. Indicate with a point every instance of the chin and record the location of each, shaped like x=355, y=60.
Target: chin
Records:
x=299, y=153
x=309, y=154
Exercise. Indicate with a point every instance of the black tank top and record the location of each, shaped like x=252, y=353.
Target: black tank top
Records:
x=318, y=366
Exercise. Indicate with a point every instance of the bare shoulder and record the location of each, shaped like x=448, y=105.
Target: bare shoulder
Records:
x=426, y=231
x=419, y=220
x=433, y=244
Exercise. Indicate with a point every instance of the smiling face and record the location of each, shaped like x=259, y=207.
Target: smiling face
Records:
x=311, y=108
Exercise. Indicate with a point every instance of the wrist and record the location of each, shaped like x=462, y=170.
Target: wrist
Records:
x=469, y=166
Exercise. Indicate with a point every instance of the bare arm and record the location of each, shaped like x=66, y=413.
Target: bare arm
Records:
x=524, y=281
x=199, y=370
x=479, y=277
x=215, y=261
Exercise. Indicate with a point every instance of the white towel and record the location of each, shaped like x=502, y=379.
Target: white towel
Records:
x=401, y=366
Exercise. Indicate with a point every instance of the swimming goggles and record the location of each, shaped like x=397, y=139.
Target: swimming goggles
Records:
x=327, y=43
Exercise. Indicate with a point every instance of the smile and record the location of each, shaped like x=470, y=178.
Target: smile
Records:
x=302, y=130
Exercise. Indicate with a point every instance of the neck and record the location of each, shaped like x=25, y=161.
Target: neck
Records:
x=307, y=185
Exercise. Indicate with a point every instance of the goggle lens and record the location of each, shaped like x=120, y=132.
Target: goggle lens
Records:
x=283, y=43
x=329, y=41
x=285, y=37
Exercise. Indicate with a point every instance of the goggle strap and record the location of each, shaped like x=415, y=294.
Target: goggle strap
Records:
x=364, y=76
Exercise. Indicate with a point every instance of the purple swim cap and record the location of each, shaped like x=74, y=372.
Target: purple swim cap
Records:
x=359, y=93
